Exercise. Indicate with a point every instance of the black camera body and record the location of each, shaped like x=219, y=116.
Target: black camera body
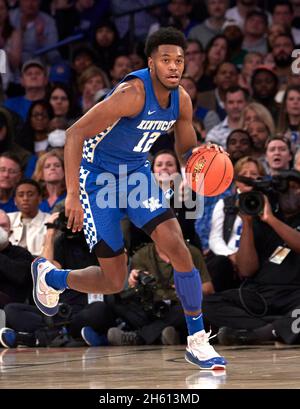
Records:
x=144, y=293
x=252, y=203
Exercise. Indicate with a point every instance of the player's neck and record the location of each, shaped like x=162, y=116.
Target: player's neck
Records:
x=162, y=93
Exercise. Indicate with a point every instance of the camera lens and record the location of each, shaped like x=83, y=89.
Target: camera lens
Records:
x=251, y=203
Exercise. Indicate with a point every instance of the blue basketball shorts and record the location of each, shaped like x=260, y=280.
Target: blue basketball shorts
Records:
x=106, y=199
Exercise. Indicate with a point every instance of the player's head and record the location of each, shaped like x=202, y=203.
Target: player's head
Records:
x=165, y=52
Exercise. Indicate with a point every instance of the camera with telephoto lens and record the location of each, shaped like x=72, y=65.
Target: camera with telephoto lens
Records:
x=143, y=293
x=252, y=203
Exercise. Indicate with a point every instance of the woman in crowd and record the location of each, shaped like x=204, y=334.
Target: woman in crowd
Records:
x=289, y=117
x=50, y=174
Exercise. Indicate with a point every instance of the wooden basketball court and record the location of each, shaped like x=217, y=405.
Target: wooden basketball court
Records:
x=147, y=367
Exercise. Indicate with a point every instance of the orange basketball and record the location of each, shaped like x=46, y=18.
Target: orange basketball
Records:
x=209, y=172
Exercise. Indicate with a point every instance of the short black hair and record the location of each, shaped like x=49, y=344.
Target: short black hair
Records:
x=165, y=35
x=237, y=88
x=30, y=182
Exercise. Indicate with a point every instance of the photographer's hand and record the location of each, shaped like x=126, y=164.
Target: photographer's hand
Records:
x=133, y=277
x=267, y=216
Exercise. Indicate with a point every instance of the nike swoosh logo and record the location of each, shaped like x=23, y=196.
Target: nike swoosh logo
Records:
x=196, y=318
x=151, y=112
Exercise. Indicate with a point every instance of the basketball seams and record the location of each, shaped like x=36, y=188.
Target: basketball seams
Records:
x=222, y=179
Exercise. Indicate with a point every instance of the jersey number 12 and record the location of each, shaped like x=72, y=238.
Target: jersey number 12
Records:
x=145, y=144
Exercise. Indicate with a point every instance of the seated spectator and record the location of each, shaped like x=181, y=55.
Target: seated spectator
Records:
x=259, y=134
x=15, y=264
x=234, y=34
x=153, y=326
x=264, y=85
x=235, y=101
x=289, y=117
x=251, y=62
x=226, y=76
x=27, y=324
x=209, y=118
x=226, y=228
x=120, y=68
x=62, y=102
x=279, y=154
x=282, y=55
x=50, y=174
x=261, y=310
x=212, y=25
x=255, y=30
x=257, y=112
x=10, y=174
x=34, y=134
x=34, y=80
x=92, y=80
x=28, y=228
x=8, y=137
x=38, y=30
x=239, y=144
x=217, y=52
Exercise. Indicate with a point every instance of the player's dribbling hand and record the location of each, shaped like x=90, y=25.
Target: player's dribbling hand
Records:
x=74, y=213
x=210, y=145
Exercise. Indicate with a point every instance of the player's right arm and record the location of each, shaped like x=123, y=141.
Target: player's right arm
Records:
x=126, y=101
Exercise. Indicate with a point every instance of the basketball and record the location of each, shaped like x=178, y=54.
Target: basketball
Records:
x=209, y=172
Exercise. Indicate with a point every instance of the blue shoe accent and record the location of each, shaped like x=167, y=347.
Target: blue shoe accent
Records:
x=8, y=338
x=92, y=338
x=41, y=289
x=212, y=363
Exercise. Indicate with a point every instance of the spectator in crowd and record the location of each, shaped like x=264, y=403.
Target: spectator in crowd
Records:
x=226, y=76
x=50, y=174
x=264, y=84
x=28, y=228
x=34, y=80
x=278, y=154
x=212, y=25
x=209, y=118
x=235, y=101
x=239, y=144
x=282, y=56
x=121, y=67
x=255, y=30
x=34, y=134
x=261, y=310
x=289, y=117
x=10, y=174
x=62, y=102
x=297, y=160
x=83, y=57
x=241, y=10
x=106, y=44
x=226, y=229
x=15, y=263
x=10, y=42
x=251, y=61
x=217, y=51
x=195, y=65
x=92, y=80
x=234, y=34
x=164, y=323
x=8, y=137
x=283, y=15
x=255, y=111
x=38, y=30
x=259, y=134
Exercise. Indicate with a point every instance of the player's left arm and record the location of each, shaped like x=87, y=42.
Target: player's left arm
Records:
x=185, y=134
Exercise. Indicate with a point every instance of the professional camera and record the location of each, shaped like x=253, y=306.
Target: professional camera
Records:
x=143, y=293
x=252, y=203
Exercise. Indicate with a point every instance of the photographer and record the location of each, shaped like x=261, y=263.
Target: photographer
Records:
x=226, y=228
x=150, y=306
x=261, y=310
x=28, y=326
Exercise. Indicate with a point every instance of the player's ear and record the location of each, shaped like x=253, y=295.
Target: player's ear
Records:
x=150, y=64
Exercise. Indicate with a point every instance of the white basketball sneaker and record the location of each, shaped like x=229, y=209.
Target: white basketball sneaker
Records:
x=199, y=352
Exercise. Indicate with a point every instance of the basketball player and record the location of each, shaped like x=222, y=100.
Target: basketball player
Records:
x=121, y=130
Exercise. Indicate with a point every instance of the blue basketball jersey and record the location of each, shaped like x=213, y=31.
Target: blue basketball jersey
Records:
x=128, y=140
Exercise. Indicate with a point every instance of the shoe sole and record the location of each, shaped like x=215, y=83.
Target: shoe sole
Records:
x=45, y=310
x=1, y=340
x=194, y=361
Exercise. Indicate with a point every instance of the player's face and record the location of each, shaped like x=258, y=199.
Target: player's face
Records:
x=167, y=65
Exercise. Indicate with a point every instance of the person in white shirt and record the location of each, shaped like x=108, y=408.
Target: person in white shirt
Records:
x=224, y=237
x=28, y=228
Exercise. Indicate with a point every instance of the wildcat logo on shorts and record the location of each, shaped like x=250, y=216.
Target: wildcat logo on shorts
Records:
x=152, y=204
x=2, y=62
